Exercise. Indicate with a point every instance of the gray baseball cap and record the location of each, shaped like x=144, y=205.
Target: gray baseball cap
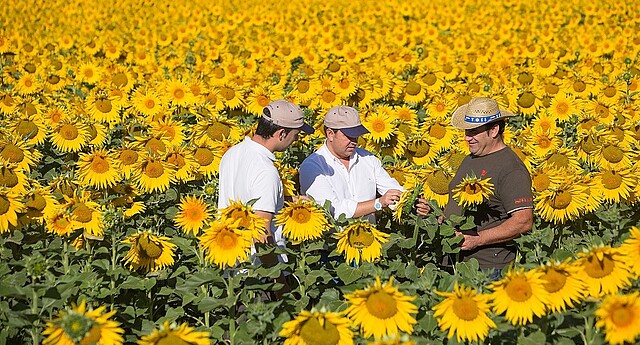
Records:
x=346, y=119
x=286, y=114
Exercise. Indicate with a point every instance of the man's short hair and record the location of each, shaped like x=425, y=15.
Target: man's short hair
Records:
x=266, y=128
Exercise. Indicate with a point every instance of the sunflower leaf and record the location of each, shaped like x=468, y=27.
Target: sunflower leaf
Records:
x=348, y=274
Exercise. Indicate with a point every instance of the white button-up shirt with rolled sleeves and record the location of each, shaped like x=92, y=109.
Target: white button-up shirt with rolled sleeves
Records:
x=323, y=177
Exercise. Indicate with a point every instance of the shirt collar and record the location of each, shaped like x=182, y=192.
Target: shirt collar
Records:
x=260, y=148
x=324, y=150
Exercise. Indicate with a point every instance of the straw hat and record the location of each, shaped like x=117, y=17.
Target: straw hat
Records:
x=479, y=111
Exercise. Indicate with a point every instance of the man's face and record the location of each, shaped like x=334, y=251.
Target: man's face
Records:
x=481, y=140
x=340, y=144
x=287, y=139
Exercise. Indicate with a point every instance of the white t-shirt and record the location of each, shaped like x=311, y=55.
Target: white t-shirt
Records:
x=324, y=177
x=246, y=173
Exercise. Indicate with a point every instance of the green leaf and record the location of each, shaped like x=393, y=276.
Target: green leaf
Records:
x=446, y=230
x=171, y=212
x=212, y=303
x=428, y=323
x=171, y=194
x=348, y=274
x=533, y=339
x=564, y=341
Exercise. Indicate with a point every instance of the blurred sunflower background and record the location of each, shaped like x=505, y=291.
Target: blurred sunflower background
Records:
x=114, y=116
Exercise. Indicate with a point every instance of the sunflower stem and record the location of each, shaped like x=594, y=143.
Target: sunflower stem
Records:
x=588, y=336
x=232, y=309
x=34, y=311
x=416, y=228
x=65, y=257
x=205, y=290
x=112, y=283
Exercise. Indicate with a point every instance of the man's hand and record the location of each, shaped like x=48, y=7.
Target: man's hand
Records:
x=390, y=197
x=422, y=207
x=295, y=198
x=471, y=240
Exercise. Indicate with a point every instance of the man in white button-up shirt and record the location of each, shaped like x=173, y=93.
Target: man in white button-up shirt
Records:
x=349, y=177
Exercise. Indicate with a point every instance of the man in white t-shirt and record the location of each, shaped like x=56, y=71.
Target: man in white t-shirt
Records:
x=247, y=171
x=349, y=177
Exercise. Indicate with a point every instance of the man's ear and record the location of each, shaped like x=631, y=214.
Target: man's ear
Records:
x=494, y=131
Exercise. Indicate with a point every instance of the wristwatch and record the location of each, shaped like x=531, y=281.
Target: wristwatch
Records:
x=377, y=205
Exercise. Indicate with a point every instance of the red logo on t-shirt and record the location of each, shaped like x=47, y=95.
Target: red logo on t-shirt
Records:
x=483, y=173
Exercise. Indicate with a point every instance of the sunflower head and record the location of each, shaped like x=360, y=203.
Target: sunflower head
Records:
x=472, y=191
x=302, y=220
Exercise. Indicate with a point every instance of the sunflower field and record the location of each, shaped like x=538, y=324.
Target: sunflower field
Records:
x=114, y=116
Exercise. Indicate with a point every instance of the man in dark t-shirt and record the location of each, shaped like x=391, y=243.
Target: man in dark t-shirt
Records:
x=506, y=214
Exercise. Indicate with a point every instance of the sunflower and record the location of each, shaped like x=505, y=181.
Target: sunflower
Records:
x=208, y=157
x=209, y=131
x=184, y=162
x=442, y=133
x=421, y=150
x=521, y=294
x=464, y=312
x=259, y=98
x=31, y=128
x=317, y=327
x=472, y=191
x=59, y=221
x=604, y=270
x=224, y=243
x=248, y=219
x=414, y=91
x=360, y=240
x=439, y=108
x=542, y=142
x=380, y=127
x=381, y=310
x=171, y=130
x=631, y=250
x=148, y=251
x=153, y=174
x=614, y=155
x=89, y=73
x=304, y=90
x=619, y=316
x=128, y=157
x=15, y=151
x=13, y=178
x=231, y=96
x=38, y=202
x=102, y=109
x=80, y=325
x=561, y=203
x=436, y=185
x=86, y=214
x=154, y=143
x=54, y=115
x=302, y=220
x=174, y=334
x=147, y=102
x=10, y=207
x=70, y=136
x=563, y=106
x=98, y=169
x=193, y=214
x=615, y=184
x=28, y=84
x=178, y=94
x=562, y=282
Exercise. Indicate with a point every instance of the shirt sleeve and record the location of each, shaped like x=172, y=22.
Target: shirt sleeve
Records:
x=515, y=191
x=267, y=189
x=315, y=182
x=384, y=182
